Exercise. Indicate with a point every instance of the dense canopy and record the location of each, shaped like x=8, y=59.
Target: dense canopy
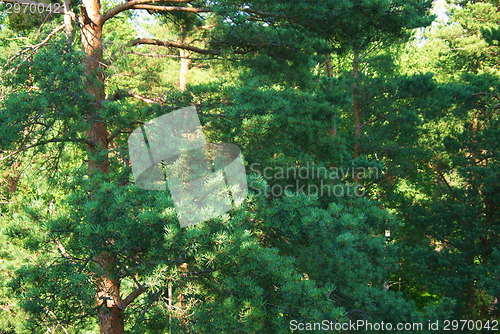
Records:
x=369, y=133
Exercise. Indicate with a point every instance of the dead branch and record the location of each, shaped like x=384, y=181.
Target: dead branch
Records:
x=34, y=48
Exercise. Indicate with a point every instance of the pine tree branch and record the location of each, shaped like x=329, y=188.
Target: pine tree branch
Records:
x=440, y=175
x=134, y=295
x=128, y=93
x=45, y=142
x=153, y=55
x=373, y=120
x=49, y=36
x=120, y=131
x=173, y=44
x=255, y=12
x=116, y=134
x=34, y=48
x=130, y=5
x=172, y=8
x=65, y=253
x=56, y=140
x=149, y=5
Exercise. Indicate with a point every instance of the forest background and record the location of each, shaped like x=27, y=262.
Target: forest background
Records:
x=401, y=98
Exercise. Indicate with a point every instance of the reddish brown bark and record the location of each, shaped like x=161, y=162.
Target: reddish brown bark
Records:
x=97, y=135
x=111, y=320
x=111, y=307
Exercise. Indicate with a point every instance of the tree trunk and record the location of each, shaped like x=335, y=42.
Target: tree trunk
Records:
x=356, y=104
x=356, y=109
x=111, y=307
x=90, y=18
x=111, y=320
x=329, y=73
x=329, y=65
x=185, y=66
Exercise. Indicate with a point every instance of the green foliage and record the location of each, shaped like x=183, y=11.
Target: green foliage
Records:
x=449, y=198
x=422, y=245
x=49, y=100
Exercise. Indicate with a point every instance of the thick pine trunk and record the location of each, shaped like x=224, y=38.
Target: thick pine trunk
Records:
x=111, y=307
x=111, y=320
x=92, y=46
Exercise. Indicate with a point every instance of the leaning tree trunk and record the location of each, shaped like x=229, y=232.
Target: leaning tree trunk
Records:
x=111, y=307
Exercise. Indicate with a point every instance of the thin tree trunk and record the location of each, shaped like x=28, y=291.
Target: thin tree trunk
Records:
x=329, y=65
x=329, y=72
x=356, y=104
x=356, y=109
x=184, y=70
x=476, y=301
x=68, y=26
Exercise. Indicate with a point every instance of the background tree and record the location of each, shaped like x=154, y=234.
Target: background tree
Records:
x=449, y=197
